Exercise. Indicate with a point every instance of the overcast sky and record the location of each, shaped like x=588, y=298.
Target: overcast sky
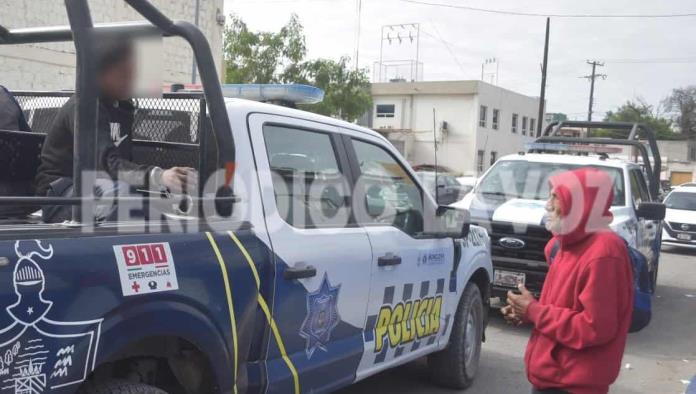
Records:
x=644, y=57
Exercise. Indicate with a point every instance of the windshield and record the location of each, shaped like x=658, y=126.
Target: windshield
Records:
x=530, y=180
x=681, y=200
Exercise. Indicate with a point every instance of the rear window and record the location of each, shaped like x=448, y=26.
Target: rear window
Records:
x=681, y=200
x=530, y=180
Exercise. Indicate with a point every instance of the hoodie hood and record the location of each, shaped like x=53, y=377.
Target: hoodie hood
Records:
x=585, y=196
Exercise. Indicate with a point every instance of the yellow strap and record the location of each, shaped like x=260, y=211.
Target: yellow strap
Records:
x=267, y=312
x=230, y=306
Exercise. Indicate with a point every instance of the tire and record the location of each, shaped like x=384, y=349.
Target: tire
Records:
x=119, y=387
x=456, y=366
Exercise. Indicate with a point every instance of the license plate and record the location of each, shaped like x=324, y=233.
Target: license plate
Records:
x=684, y=237
x=508, y=278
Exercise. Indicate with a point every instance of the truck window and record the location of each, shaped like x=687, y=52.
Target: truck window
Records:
x=391, y=195
x=639, y=190
x=307, y=180
x=530, y=180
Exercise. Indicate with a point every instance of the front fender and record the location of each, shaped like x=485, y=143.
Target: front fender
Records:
x=476, y=254
x=133, y=323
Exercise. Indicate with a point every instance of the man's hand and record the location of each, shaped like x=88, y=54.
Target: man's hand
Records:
x=510, y=316
x=180, y=179
x=520, y=302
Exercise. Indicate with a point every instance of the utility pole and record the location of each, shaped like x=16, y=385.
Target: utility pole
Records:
x=592, y=78
x=542, y=95
x=357, y=39
x=193, y=64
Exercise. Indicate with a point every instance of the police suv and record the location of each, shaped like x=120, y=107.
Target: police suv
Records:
x=510, y=199
x=311, y=257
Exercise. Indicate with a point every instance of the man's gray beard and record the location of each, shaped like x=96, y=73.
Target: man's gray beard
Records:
x=553, y=225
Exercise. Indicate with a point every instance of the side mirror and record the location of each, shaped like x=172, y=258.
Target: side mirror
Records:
x=450, y=222
x=651, y=211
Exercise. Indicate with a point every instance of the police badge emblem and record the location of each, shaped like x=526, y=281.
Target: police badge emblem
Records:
x=322, y=316
x=39, y=354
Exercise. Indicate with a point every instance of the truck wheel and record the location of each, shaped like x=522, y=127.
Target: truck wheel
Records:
x=456, y=365
x=119, y=387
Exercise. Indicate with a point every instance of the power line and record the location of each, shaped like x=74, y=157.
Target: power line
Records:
x=517, y=13
x=447, y=45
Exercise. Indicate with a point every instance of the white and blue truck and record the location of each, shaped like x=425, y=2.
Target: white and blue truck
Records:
x=323, y=260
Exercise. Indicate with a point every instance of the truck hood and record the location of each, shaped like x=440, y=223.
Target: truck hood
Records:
x=520, y=210
x=680, y=216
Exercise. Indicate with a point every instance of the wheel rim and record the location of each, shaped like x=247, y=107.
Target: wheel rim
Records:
x=470, y=337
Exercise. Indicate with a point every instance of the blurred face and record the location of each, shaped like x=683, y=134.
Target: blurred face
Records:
x=116, y=81
x=553, y=214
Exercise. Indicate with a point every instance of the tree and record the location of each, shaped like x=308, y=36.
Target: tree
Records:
x=268, y=57
x=262, y=57
x=682, y=104
x=638, y=111
x=347, y=92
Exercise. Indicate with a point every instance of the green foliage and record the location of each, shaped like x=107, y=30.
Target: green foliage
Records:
x=347, y=91
x=261, y=57
x=269, y=57
x=638, y=112
x=682, y=104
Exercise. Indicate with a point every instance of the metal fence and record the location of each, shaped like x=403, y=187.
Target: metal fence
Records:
x=167, y=131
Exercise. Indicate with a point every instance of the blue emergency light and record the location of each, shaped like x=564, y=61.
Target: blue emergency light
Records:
x=292, y=93
x=579, y=148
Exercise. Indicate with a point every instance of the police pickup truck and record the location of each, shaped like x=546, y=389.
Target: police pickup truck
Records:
x=310, y=259
x=511, y=196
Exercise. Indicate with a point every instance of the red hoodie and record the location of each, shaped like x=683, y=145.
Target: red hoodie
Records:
x=582, y=318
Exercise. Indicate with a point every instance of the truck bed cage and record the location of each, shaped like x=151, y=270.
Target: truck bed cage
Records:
x=635, y=131
x=85, y=35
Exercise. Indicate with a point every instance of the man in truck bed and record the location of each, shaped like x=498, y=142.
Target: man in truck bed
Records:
x=116, y=71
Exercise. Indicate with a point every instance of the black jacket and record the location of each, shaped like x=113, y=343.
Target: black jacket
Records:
x=114, y=155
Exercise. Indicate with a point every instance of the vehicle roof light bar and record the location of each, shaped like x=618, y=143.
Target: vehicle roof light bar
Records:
x=635, y=130
x=290, y=93
x=571, y=148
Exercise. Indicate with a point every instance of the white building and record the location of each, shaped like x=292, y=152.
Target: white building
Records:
x=52, y=66
x=474, y=122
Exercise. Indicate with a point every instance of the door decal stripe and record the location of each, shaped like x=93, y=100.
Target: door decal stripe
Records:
x=267, y=312
x=230, y=305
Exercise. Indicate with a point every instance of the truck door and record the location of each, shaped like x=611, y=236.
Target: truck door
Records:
x=648, y=230
x=322, y=260
x=407, y=311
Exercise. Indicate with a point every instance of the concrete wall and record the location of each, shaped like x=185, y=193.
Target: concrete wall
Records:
x=458, y=105
x=503, y=141
x=52, y=66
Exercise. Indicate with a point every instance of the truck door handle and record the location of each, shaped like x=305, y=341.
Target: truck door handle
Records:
x=388, y=260
x=301, y=272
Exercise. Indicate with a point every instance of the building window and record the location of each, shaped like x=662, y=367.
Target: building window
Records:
x=532, y=126
x=483, y=114
x=514, y=123
x=496, y=116
x=524, y=125
x=479, y=161
x=494, y=157
x=692, y=153
x=385, y=110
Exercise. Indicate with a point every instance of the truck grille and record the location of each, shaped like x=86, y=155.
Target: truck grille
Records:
x=535, y=239
x=681, y=227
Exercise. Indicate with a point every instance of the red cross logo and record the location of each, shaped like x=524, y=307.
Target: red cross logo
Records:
x=135, y=287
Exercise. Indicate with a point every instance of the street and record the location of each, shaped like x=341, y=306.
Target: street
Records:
x=659, y=359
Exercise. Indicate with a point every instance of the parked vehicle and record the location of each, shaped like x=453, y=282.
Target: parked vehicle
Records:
x=322, y=262
x=680, y=220
x=448, y=190
x=511, y=196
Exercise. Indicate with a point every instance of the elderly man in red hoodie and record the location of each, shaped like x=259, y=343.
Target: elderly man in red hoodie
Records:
x=582, y=318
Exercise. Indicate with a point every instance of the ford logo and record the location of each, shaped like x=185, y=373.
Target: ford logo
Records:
x=511, y=243
x=685, y=227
